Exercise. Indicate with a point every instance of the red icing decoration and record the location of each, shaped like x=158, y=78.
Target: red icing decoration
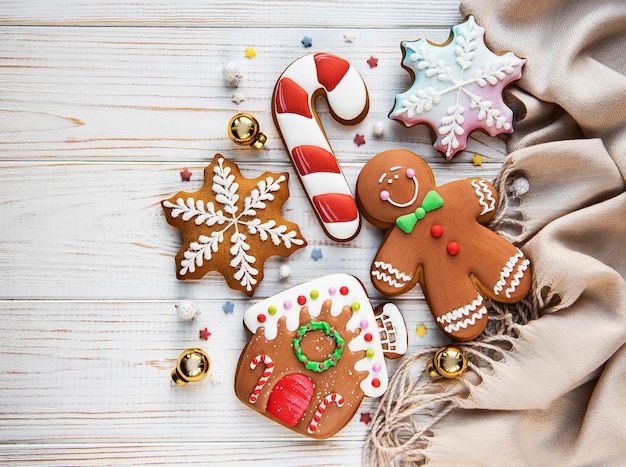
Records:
x=313, y=159
x=436, y=231
x=368, y=337
x=335, y=207
x=453, y=248
x=330, y=70
x=301, y=300
x=344, y=290
x=290, y=398
x=261, y=318
x=376, y=382
x=290, y=98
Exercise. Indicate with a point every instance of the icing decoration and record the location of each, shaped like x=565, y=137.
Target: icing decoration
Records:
x=432, y=200
x=333, y=397
x=457, y=87
x=267, y=372
x=250, y=52
x=303, y=135
x=250, y=225
x=329, y=331
x=449, y=244
x=334, y=343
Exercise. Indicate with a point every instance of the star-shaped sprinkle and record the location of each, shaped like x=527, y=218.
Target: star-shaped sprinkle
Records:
x=215, y=378
x=457, y=87
x=359, y=139
x=205, y=334
x=420, y=330
x=349, y=36
x=477, y=159
x=307, y=41
x=366, y=417
x=238, y=98
x=232, y=224
x=372, y=62
x=185, y=175
x=316, y=254
x=228, y=307
x=250, y=52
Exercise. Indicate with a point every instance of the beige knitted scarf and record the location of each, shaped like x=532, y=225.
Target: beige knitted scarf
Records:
x=546, y=384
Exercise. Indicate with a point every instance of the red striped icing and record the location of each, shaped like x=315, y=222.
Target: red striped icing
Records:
x=291, y=98
x=311, y=159
x=336, y=207
x=330, y=70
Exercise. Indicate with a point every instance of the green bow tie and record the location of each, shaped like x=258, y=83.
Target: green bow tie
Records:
x=431, y=201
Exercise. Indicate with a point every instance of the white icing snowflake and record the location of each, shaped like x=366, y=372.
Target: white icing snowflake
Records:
x=218, y=214
x=457, y=87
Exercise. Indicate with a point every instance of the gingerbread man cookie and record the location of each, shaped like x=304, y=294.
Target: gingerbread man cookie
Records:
x=232, y=225
x=436, y=236
x=315, y=351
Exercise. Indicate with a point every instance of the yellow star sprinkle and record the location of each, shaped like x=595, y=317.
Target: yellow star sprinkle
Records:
x=250, y=52
x=477, y=159
x=421, y=330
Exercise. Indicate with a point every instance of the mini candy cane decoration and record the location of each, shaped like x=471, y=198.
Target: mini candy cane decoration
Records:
x=332, y=397
x=269, y=368
x=296, y=118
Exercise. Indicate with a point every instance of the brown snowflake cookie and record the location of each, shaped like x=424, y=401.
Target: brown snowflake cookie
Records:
x=315, y=351
x=232, y=224
x=436, y=236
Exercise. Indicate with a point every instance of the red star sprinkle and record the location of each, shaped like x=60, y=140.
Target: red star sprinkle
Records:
x=372, y=62
x=205, y=334
x=186, y=175
x=366, y=418
x=359, y=139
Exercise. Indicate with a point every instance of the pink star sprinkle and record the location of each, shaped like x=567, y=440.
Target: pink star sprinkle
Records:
x=205, y=334
x=185, y=175
x=366, y=417
x=359, y=139
x=372, y=62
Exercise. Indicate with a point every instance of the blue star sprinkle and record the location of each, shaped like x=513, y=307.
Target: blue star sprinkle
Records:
x=316, y=254
x=307, y=41
x=228, y=307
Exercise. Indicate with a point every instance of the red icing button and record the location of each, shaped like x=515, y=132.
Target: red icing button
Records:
x=376, y=382
x=436, y=231
x=261, y=318
x=344, y=290
x=453, y=248
x=368, y=337
x=301, y=300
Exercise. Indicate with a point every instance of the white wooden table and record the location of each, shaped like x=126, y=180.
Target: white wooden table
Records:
x=102, y=104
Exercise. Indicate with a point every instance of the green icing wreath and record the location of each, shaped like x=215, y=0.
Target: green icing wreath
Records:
x=329, y=331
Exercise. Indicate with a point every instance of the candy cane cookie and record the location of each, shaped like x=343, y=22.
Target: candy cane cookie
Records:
x=267, y=372
x=293, y=108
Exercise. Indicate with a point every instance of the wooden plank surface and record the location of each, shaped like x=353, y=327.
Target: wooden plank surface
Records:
x=95, y=125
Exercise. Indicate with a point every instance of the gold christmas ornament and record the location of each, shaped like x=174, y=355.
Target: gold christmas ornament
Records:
x=449, y=362
x=192, y=366
x=244, y=130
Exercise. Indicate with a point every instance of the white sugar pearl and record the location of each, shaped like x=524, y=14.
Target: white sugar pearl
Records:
x=284, y=271
x=378, y=129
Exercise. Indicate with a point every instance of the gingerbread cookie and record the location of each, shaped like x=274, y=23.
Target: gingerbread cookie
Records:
x=315, y=351
x=457, y=87
x=232, y=225
x=436, y=236
x=304, y=137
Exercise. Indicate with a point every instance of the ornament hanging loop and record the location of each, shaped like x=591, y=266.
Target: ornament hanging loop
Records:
x=244, y=130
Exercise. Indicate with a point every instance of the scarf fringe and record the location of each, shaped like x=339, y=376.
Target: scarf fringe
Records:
x=405, y=420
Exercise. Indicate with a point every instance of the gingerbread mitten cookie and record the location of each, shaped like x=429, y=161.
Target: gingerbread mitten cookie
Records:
x=436, y=236
x=315, y=351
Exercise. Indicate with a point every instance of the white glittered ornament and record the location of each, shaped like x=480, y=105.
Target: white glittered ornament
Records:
x=187, y=310
x=519, y=187
x=284, y=271
x=232, y=73
x=378, y=129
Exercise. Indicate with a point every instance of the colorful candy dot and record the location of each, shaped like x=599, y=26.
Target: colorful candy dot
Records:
x=314, y=294
x=332, y=291
x=301, y=300
x=436, y=231
x=453, y=248
x=410, y=173
x=287, y=305
x=369, y=353
x=344, y=290
x=364, y=324
x=368, y=337
x=356, y=306
x=376, y=367
x=376, y=382
x=384, y=195
x=261, y=318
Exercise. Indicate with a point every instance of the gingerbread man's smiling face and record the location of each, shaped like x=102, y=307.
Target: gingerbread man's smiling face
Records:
x=392, y=183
